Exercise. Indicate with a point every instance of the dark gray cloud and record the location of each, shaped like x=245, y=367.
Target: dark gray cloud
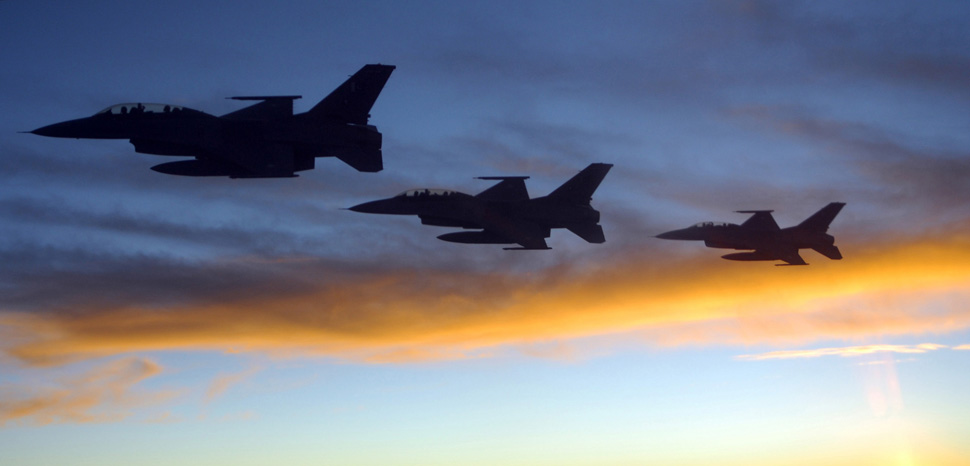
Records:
x=896, y=42
x=52, y=213
x=654, y=55
x=905, y=168
x=37, y=277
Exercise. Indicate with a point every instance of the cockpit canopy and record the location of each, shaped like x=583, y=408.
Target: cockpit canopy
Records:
x=427, y=193
x=140, y=108
x=711, y=224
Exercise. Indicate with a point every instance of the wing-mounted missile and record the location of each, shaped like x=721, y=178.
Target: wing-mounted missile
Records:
x=748, y=256
x=211, y=168
x=790, y=258
x=446, y=222
x=474, y=237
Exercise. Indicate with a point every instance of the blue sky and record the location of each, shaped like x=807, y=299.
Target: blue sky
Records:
x=150, y=318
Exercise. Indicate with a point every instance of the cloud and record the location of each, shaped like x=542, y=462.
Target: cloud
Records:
x=399, y=314
x=222, y=382
x=885, y=362
x=57, y=214
x=847, y=351
x=890, y=46
x=906, y=169
x=106, y=393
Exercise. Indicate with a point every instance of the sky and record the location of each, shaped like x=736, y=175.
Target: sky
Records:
x=153, y=319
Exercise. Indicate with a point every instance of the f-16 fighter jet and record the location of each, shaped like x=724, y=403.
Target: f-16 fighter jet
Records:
x=264, y=140
x=768, y=241
x=504, y=213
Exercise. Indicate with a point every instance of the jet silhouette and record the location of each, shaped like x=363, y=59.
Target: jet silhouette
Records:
x=768, y=241
x=504, y=213
x=264, y=140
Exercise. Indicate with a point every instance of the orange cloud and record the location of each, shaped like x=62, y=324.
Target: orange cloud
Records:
x=222, y=382
x=103, y=394
x=911, y=287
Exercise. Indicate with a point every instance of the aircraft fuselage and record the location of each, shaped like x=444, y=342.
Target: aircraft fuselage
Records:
x=504, y=213
x=187, y=132
x=764, y=239
x=733, y=236
x=263, y=140
x=454, y=209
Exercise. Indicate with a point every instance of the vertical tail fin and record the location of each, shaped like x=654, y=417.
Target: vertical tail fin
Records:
x=820, y=220
x=352, y=101
x=580, y=188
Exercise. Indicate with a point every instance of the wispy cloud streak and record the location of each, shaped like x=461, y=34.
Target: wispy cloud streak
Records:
x=846, y=351
x=104, y=394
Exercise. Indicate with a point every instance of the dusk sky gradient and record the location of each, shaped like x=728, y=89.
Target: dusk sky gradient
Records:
x=154, y=319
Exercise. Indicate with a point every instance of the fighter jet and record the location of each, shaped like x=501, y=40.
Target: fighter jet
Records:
x=504, y=213
x=768, y=242
x=264, y=140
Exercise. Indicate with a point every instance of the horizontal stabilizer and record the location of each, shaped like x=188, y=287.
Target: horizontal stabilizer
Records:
x=363, y=160
x=832, y=252
x=592, y=233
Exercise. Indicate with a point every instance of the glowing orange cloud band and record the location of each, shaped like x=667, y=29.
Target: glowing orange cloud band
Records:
x=406, y=316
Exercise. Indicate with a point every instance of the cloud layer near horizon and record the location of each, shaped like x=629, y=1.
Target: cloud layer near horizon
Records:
x=908, y=287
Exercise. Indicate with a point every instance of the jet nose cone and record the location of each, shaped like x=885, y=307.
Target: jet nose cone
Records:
x=87, y=128
x=373, y=207
x=676, y=234
x=67, y=129
x=49, y=131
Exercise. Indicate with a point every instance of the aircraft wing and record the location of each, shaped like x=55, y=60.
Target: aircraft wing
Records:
x=792, y=258
x=270, y=107
x=789, y=255
x=527, y=234
x=761, y=220
x=509, y=188
x=260, y=160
